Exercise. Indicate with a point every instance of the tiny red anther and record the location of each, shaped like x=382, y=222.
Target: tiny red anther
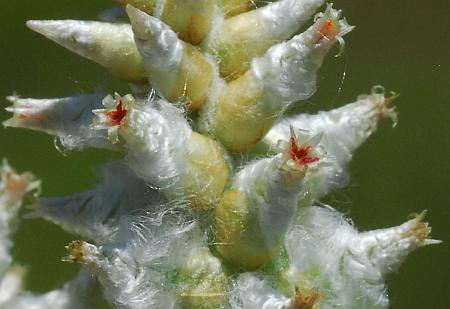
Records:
x=301, y=155
x=117, y=115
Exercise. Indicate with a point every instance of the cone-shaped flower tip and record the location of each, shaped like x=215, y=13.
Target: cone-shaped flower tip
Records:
x=289, y=69
x=344, y=129
x=109, y=44
x=388, y=248
x=67, y=118
x=13, y=188
x=53, y=116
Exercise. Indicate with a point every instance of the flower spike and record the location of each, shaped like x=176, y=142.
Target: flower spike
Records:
x=213, y=203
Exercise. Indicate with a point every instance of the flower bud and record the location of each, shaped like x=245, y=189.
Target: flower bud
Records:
x=67, y=118
x=254, y=214
x=191, y=20
x=179, y=71
x=327, y=252
x=163, y=150
x=344, y=129
x=248, y=106
x=94, y=214
x=109, y=44
x=241, y=38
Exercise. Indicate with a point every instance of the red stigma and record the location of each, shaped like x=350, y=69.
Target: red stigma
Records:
x=326, y=30
x=301, y=155
x=117, y=115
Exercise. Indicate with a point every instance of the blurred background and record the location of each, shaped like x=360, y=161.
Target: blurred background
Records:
x=402, y=45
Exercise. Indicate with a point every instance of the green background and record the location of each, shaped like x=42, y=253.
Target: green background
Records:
x=403, y=45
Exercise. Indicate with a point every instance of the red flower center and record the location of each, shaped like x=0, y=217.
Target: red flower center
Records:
x=301, y=154
x=117, y=115
x=327, y=30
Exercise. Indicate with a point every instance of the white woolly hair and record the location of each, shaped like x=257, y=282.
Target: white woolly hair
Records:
x=288, y=70
x=135, y=263
x=156, y=135
x=344, y=129
x=272, y=197
x=251, y=292
x=283, y=18
x=158, y=44
x=79, y=293
x=319, y=242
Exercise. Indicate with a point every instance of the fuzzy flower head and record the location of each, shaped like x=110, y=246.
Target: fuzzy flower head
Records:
x=111, y=118
x=301, y=151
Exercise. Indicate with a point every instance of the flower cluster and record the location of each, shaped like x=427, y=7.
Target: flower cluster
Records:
x=215, y=202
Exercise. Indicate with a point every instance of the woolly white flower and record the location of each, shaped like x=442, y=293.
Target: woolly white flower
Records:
x=67, y=118
x=94, y=214
x=328, y=253
x=155, y=135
